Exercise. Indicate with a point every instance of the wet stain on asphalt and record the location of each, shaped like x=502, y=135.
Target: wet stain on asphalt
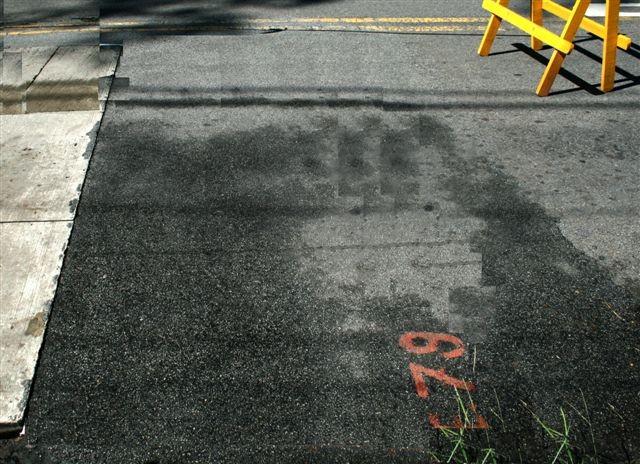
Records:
x=242, y=297
x=554, y=338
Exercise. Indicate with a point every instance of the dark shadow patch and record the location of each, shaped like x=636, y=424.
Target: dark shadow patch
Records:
x=554, y=338
x=629, y=79
x=573, y=78
x=182, y=305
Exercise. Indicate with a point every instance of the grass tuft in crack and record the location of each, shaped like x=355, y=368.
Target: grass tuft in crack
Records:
x=561, y=438
x=463, y=448
x=466, y=446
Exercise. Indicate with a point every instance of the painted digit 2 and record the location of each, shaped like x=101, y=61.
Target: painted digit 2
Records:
x=430, y=343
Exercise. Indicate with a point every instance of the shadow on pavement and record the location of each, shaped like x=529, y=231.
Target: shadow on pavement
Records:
x=353, y=97
x=195, y=11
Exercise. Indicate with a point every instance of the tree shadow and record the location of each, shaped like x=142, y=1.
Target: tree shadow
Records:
x=195, y=11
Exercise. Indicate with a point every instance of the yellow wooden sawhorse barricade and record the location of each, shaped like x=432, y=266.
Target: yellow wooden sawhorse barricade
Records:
x=562, y=43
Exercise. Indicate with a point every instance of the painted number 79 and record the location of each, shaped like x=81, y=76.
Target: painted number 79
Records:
x=448, y=347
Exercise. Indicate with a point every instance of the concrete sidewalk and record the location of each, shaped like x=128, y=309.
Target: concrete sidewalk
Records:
x=44, y=159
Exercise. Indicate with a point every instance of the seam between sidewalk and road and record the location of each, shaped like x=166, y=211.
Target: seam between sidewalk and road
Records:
x=13, y=427
x=72, y=222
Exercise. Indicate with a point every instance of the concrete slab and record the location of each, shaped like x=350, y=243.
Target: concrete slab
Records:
x=32, y=255
x=19, y=69
x=41, y=172
x=44, y=158
x=69, y=82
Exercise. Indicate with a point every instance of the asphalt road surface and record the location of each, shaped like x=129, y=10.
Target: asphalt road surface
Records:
x=283, y=238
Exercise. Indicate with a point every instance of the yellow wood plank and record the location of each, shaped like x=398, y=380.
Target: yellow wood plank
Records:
x=536, y=17
x=558, y=56
x=550, y=73
x=491, y=31
x=526, y=25
x=612, y=15
x=587, y=24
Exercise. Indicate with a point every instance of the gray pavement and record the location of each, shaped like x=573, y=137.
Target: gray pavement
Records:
x=266, y=215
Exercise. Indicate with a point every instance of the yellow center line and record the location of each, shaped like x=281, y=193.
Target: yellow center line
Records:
x=377, y=28
x=383, y=24
x=136, y=22
x=375, y=24
x=370, y=20
x=337, y=28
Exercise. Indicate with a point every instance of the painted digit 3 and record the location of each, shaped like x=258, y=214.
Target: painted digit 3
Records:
x=447, y=346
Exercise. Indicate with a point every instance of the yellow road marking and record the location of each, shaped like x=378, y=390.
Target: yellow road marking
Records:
x=366, y=28
x=371, y=20
x=135, y=22
x=375, y=28
x=296, y=24
x=372, y=24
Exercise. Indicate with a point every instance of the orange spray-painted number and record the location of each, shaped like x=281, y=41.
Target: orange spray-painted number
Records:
x=449, y=347
x=430, y=341
x=419, y=373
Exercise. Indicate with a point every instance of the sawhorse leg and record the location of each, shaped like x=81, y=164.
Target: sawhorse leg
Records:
x=536, y=17
x=612, y=13
x=557, y=57
x=491, y=31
